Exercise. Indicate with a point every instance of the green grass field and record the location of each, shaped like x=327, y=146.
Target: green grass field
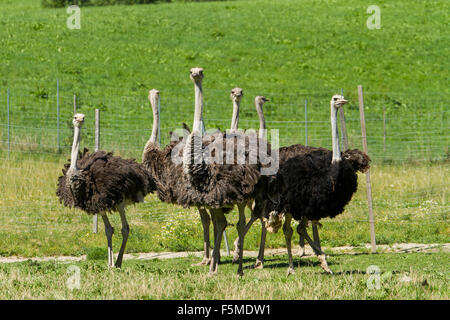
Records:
x=410, y=205
x=286, y=50
x=403, y=276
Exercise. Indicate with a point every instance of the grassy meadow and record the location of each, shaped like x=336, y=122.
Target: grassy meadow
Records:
x=410, y=205
x=267, y=48
x=402, y=276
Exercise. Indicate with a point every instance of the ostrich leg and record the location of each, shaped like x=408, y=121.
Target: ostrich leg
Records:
x=260, y=259
x=259, y=264
x=287, y=230
x=302, y=225
x=319, y=253
x=206, y=246
x=220, y=223
x=236, y=242
x=125, y=232
x=316, y=237
x=241, y=234
x=109, y=230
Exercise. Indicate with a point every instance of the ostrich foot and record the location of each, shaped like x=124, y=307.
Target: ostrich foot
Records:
x=301, y=252
x=204, y=262
x=290, y=271
x=259, y=264
x=235, y=257
x=211, y=274
x=324, y=264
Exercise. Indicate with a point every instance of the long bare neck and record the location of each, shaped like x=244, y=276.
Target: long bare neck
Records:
x=155, y=129
x=262, y=121
x=153, y=140
x=335, y=135
x=198, y=107
x=235, y=118
x=75, y=149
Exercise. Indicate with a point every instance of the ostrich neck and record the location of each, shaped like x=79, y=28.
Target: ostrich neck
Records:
x=75, y=149
x=235, y=117
x=155, y=128
x=335, y=135
x=198, y=107
x=153, y=140
x=262, y=121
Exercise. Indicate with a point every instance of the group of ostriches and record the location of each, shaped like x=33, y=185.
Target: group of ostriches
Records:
x=214, y=173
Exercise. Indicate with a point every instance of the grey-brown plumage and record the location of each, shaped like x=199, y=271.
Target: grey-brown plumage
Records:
x=219, y=185
x=212, y=175
x=103, y=182
x=99, y=182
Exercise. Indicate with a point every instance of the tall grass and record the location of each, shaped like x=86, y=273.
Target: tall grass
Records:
x=403, y=276
x=410, y=204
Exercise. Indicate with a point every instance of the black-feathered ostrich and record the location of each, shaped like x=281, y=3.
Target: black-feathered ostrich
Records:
x=217, y=186
x=312, y=185
x=99, y=183
x=284, y=154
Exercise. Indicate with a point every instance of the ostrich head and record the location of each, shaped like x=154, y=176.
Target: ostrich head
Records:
x=237, y=94
x=153, y=96
x=260, y=100
x=274, y=222
x=78, y=120
x=338, y=101
x=196, y=75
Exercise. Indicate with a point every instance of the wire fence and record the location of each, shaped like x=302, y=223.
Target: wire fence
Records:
x=401, y=127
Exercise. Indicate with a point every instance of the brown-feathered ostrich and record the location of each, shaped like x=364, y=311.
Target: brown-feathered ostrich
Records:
x=259, y=103
x=220, y=185
x=159, y=162
x=99, y=183
x=311, y=186
x=236, y=96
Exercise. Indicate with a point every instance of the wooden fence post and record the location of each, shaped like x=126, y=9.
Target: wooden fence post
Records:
x=343, y=126
x=57, y=116
x=384, y=129
x=306, y=122
x=97, y=147
x=9, y=123
x=368, y=184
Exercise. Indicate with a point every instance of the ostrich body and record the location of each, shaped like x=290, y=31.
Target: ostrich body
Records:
x=99, y=183
x=216, y=186
x=312, y=183
x=259, y=102
x=158, y=161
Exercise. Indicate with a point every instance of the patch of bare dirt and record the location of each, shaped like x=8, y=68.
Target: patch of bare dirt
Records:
x=396, y=247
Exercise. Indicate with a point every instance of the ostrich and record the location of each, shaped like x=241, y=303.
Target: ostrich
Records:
x=259, y=102
x=313, y=185
x=160, y=164
x=99, y=183
x=284, y=154
x=217, y=187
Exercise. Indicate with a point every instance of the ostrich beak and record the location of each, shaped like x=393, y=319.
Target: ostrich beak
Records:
x=342, y=101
